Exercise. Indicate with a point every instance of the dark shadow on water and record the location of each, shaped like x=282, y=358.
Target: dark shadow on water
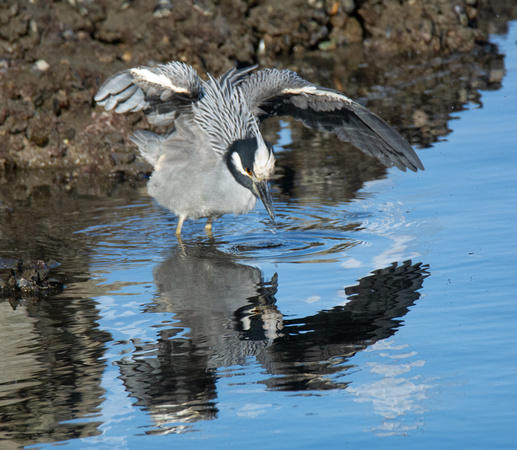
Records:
x=50, y=378
x=52, y=358
x=226, y=313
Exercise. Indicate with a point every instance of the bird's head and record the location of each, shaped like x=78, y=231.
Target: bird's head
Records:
x=252, y=162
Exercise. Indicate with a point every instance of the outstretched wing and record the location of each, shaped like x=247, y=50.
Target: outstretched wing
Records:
x=162, y=92
x=271, y=92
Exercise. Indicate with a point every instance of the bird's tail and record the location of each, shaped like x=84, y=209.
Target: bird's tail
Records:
x=149, y=144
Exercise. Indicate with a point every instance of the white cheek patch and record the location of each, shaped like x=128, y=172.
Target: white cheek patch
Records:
x=237, y=162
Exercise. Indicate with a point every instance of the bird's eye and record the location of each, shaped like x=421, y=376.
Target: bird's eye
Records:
x=248, y=171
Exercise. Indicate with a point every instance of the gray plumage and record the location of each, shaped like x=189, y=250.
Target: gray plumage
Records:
x=215, y=160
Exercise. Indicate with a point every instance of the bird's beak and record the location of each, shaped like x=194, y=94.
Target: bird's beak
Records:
x=262, y=190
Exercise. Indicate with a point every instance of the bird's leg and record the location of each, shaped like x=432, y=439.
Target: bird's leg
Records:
x=180, y=224
x=208, y=227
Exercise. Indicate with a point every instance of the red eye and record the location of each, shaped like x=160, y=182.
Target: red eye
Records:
x=248, y=171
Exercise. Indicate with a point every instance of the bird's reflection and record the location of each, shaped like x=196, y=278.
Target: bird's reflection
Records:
x=226, y=312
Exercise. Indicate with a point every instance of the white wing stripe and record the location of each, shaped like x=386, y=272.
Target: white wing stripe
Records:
x=161, y=79
x=313, y=90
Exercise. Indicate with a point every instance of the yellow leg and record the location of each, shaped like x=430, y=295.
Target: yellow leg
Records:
x=180, y=225
x=208, y=227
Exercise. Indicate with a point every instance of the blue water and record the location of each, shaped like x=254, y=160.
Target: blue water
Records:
x=247, y=340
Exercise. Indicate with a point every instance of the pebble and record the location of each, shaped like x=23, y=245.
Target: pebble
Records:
x=41, y=65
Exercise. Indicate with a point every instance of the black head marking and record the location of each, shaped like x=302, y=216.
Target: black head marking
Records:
x=245, y=148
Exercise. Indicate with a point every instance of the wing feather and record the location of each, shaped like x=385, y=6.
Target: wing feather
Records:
x=271, y=92
x=162, y=92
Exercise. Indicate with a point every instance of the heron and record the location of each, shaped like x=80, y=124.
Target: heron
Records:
x=213, y=160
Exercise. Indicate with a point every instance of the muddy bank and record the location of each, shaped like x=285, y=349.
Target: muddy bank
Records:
x=53, y=55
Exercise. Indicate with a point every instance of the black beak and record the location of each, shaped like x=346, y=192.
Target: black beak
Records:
x=262, y=190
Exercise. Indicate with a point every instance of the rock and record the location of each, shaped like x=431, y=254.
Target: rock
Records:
x=27, y=278
x=41, y=65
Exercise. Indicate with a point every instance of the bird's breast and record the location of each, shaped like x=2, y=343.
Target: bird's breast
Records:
x=191, y=190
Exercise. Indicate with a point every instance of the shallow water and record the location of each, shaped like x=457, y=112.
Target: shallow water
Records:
x=378, y=311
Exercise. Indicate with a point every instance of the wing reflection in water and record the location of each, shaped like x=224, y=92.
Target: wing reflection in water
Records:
x=226, y=312
x=314, y=347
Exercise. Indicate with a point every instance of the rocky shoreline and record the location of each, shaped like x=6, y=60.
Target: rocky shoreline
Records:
x=53, y=55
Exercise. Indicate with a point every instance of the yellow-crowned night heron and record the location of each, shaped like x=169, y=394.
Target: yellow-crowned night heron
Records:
x=215, y=160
